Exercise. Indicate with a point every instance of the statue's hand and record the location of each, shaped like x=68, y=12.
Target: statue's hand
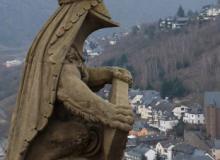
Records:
x=121, y=118
x=122, y=74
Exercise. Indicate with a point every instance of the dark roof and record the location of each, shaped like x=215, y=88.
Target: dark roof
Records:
x=182, y=19
x=201, y=158
x=184, y=148
x=139, y=151
x=131, y=142
x=188, y=157
x=212, y=98
x=154, y=138
x=217, y=144
x=162, y=105
x=149, y=96
x=196, y=109
x=133, y=93
x=168, y=116
x=138, y=125
x=168, y=143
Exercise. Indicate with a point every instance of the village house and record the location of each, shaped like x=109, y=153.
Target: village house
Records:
x=141, y=152
x=195, y=115
x=139, y=129
x=184, y=151
x=162, y=116
x=166, y=24
x=140, y=100
x=112, y=42
x=131, y=143
x=209, y=12
x=152, y=140
x=180, y=111
x=150, y=154
x=180, y=22
x=12, y=63
x=173, y=23
x=146, y=113
x=167, y=123
x=141, y=133
x=164, y=149
x=92, y=49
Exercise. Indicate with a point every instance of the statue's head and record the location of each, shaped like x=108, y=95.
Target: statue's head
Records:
x=101, y=12
x=97, y=17
x=98, y=11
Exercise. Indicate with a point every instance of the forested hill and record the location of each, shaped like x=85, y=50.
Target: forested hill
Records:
x=187, y=61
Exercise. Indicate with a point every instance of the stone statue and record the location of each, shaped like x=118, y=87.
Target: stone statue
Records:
x=58, y=116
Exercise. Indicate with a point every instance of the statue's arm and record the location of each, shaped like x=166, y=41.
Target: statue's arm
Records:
x=100, y=76
x=80, y=100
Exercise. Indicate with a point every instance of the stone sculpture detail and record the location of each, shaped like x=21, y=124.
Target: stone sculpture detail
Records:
x=58, y=116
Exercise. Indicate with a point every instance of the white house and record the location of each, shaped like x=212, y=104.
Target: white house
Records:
x=143, y=98
x=112, y=42
x=164, y=149
x=213, y=11
x=140, y=152
x=209, y=13
x=180, y=111
x=137, y=99
x=13, y=63
x=150, y=154
x=167, y=124
x=163, y=123
x=194, y=116
x=136, y=102
x=162, y=116
x=139, y=108
x=146, y=113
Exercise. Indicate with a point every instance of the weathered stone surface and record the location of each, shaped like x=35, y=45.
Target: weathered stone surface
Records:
x=58, y=115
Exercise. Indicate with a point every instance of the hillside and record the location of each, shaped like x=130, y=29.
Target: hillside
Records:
x=21, y=19
x=189, y=58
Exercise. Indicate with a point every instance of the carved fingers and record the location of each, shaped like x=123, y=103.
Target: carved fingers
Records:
x=122, y=118
x=122, y=74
